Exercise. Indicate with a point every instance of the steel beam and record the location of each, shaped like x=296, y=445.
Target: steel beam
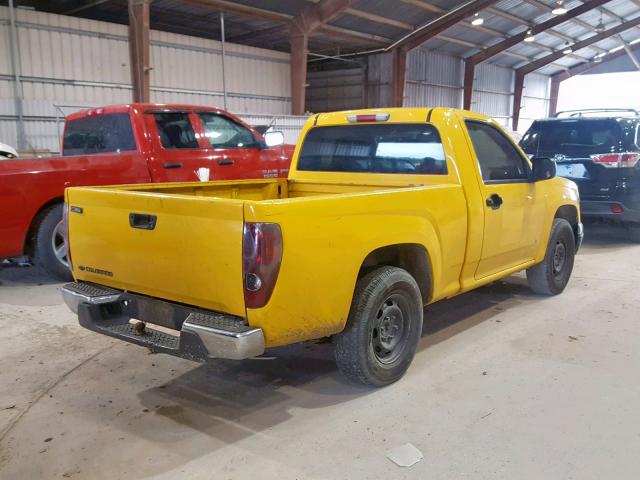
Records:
x=310, y=19
x=16, y=66
x=533, y=66
x=518, y=90
x=630, y=52
x=484, y=55
x=416, y=38
x=139, y=49
x=558, y=78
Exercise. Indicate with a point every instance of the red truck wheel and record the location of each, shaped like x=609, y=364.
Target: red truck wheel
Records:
x=384, y=326
x=50, y=246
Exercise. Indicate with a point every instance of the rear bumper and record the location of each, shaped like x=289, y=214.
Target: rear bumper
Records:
x=610, y=210
x=194, y=334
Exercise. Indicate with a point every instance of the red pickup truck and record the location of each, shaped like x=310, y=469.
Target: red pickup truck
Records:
x=124, y=144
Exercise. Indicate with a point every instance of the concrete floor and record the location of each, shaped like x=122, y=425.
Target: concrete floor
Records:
x=505, y=385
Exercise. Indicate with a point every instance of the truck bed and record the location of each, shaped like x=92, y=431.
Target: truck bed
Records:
x=182, y=242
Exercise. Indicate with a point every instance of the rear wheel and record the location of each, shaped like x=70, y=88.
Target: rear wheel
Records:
x=383, y=329
x=550, y=277
x=50, y=245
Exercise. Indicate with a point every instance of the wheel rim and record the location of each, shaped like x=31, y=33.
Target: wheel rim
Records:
x=390, y=330
x=59, y=245
x=559, y=258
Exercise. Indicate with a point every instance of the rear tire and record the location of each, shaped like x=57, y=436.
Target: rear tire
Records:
x=50, y=245
x=383, y=329
x=550, y=277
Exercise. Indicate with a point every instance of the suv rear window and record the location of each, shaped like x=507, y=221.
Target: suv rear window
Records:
x=573, y=138
x=98, y=134
x=381, y=148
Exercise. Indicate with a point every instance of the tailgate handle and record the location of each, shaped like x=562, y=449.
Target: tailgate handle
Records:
x=225, y=162
x=172, y=165
x=143, y=221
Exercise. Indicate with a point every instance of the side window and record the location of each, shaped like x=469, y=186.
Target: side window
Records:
x=175, y=130
x=498, y=158
x=223, y=132
x=98, y=134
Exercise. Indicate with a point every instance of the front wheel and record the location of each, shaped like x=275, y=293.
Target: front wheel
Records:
x=50, y=244
x=550, y=277
x=383, y=329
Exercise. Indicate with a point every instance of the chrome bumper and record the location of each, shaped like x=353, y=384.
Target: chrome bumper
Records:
x=196, y=334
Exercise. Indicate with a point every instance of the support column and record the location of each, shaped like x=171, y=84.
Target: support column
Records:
x=399, y=75
x=553, y=98
x=298, y=60
x=139, y=49
x=17, y=81
x=469, y=73
x=517, y=98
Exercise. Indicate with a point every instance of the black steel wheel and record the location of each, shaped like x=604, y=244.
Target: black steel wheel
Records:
x=550, y=277
x=383, y=329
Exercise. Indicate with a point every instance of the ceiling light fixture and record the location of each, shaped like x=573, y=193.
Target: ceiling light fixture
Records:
x=477, y=20
x=560, y=9
x=567, y=49
x=600, y=27
x=530, y=37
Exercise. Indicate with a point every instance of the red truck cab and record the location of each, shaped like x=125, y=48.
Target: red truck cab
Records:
x=125, y=144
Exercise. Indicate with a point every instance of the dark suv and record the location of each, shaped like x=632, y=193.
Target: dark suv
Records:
x=599, y=150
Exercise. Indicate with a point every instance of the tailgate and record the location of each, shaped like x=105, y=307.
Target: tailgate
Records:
x=192, y=255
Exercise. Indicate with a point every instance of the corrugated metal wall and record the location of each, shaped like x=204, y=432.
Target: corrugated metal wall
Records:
x=332, y=90
x=435, y=80
x=68, y=63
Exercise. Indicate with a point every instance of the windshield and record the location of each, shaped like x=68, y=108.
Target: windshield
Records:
x=374, y=148
x=573, y=138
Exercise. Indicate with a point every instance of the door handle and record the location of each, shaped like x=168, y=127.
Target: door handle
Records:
x=494, y=201
x=142, y=221
x=225, y=162
x=169, y=165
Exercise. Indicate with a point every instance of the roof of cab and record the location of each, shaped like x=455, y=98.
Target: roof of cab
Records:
x=125, y=108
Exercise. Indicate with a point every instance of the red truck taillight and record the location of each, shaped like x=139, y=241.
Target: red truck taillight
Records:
x=617, y=160
x=261, y=257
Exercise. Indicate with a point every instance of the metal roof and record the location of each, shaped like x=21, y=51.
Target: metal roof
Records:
x=370, y=24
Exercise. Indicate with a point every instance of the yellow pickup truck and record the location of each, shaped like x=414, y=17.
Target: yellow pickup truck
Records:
x=384, y=211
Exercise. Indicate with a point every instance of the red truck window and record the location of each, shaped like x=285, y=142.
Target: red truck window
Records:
x=223, y=132
x=175, y=130
x=98, y=134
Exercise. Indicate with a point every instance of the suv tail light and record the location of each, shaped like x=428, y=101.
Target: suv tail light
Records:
x=261, y=258
x=617, y=160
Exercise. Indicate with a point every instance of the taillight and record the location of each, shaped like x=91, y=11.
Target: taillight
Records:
x=261, y=257
x=368, y=117
x=617, y=160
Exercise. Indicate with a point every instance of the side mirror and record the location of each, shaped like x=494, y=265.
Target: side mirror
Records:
x=273, y=139
x=543, y=168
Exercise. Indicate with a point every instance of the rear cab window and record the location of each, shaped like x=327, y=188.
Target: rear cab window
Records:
x=374, y=148
x=106, y=133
